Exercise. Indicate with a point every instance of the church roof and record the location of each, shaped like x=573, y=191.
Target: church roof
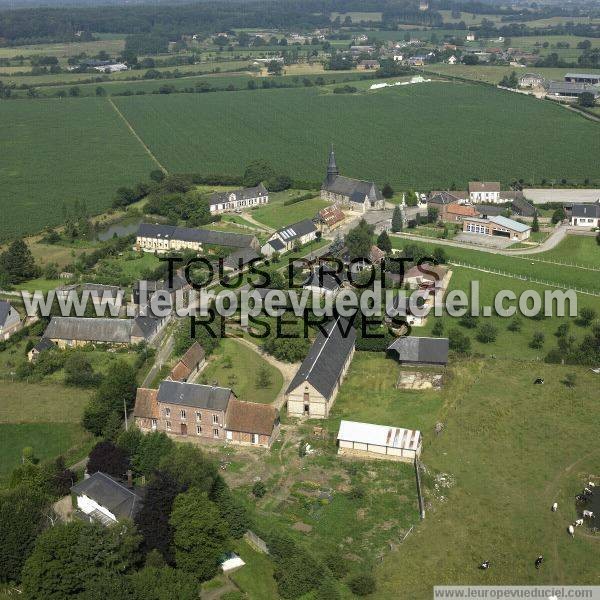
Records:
x=355, y=189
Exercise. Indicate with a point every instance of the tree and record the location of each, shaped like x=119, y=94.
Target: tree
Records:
x=274, y=67
x=515, y=325
x=162, y=583
x=432, y=214
x=232, y=511
x=586, y=316
x=384, y=243
x=558, y=215
x=535, y=226
x=200, y=534
x=587, y=99
x=363, y=585
x=570, y=380
x=152, y=448
x=263, y=377
x=438, y=328
x=259, y=489
x=153, y=518
x=100, y=91
x=109, y=459
x=79, y=371
x=469, y=321
x=397, y=219
x=387, y=192
x=487, y=333
x=359, y=240
x=257, y=172
x=22, y=518
x=510, y=81
x=537, y=341
x=70, y=560
x=157, y=175
x=190, y=467
x=470, y=59
x=459, y=342
x=17, y=263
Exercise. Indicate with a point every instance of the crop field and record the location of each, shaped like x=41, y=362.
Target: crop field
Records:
x=497, y=506
x=55, y=152
x=396, y=128
x=66, y=49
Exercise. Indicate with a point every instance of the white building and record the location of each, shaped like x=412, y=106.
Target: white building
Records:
x=586, y=215
x=221, y=202
x=10, y=320
x=111, y=68
x=484, y=191
x=286, y=238
x=379, y=441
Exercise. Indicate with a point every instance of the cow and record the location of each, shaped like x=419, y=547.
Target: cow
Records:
x=538, y=561
x=588, y=513
x=571, y=531
x=485, y=565
x=578, y=522
x=555, y=507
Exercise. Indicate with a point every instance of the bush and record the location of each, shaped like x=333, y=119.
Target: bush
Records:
x=537, y=341
x=515, y=325
x=459, y=342
x=469, y=321
x=487, y=333
x=586, y=316
x=259, y=489
x=363, y=585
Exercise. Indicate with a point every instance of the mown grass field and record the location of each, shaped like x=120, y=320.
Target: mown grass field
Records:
x=235, y=365
x=56, y=152
x=512, y=449
x=43, y=416
x=294, y=128
x=276, y=214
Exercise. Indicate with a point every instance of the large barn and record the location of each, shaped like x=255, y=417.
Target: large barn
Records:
x=313, y=389
x=420, y=350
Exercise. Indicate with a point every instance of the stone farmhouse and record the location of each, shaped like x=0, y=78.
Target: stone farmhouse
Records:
x=379, y=441
x=10, y=320
x=586, y=215
x=72, y=332
x=205, y=413
x=221, y=202
x=497, y=226
x=166, y=238
x=314, y=388
x=354, y=194
x=284, y=239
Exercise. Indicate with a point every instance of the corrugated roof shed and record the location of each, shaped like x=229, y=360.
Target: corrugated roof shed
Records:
x=379, y=435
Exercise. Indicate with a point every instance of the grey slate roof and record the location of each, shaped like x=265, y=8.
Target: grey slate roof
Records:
x=202, y=236
x=145, y=327
x=354, y=189
x=567, y=88
x=523, y=207
x=121, y=501
x=244, y=255
x=191, y=394
x=326, y=358
x=243, y=194
x=490, y=210
x=590, y=211
x=291, y=232
x=322, y=278
x=421, y=349
x=277, y=244
x=44, y=344
x=4, y=311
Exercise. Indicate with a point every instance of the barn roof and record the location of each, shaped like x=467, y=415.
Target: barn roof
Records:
x=379, y=435
x=240, y=257
x=202, y=236
x=250, y=417
x=116, y=331
x=326, y=358
x=421, y=349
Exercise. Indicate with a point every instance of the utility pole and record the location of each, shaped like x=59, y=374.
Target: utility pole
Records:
x=125, y=411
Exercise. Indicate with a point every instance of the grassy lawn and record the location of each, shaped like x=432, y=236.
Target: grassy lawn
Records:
x=276, y=215
x=512, y=449
x=241, y=375
x=256, y=578
x=575, y=249
x=126, y=269
x=524, y=266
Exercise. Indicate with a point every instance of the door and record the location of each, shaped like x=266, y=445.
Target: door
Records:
x=183, y=429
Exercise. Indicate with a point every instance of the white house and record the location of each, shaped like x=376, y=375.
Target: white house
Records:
x=452, y=60
x=104, y=499
x=484, y=191
x=221, y=202
x=10, y=320
x=586, y=215
x=379, y=441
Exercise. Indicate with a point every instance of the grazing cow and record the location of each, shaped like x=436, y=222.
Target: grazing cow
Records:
x=485, y=565
x=588, y=513
x=578, y=522
x=538, y=381
x=571, y=531
x=591, y=485
x=555, y=507
x=538, y=561
x=587, y=491
x=581, y=498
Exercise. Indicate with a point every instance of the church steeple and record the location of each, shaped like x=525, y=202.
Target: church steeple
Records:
x=332, y=170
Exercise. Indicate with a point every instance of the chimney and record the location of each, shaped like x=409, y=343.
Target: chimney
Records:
x=129, y=479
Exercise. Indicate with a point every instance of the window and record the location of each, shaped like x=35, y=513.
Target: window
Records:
x=198, y=430
x=183, y=414
x=255, y=438
x=216, y=419
x=168, y=425
x=154, y=423
x=167, y=412
x=215, y=433
x=198, y=416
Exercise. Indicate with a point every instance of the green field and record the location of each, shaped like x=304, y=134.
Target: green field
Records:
x=396, y=127
x=511, y=451
x=43, y=416
x=276, y=215
x=236, y=366
x=56, y=152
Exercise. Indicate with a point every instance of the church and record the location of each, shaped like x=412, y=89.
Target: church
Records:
x=352, y=194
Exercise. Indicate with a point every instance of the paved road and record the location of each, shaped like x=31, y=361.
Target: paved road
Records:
x=555, y=238
x=164, y=351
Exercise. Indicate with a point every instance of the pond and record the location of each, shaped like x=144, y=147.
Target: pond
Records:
x=120, y=229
